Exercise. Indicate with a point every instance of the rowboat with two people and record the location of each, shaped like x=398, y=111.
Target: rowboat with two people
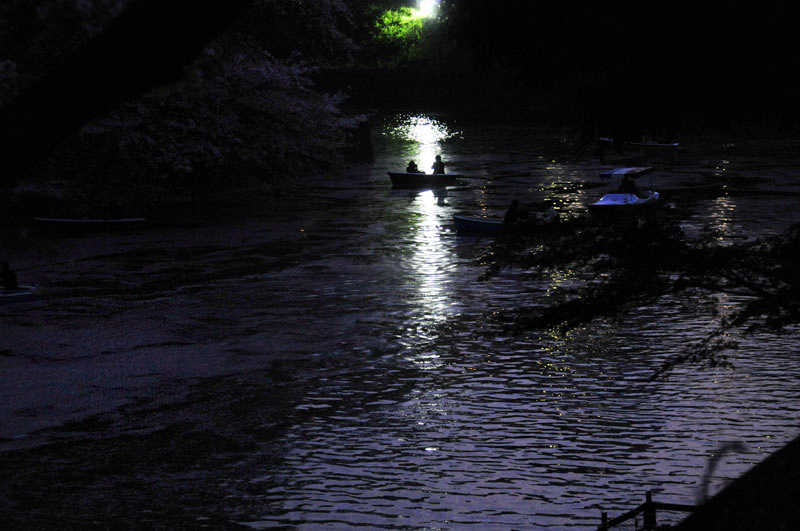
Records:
x=423, y=180
x=414, y=178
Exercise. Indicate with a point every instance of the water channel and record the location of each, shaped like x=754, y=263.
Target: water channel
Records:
x=405, y=407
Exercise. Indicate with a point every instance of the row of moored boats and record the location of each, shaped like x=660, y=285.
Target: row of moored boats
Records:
x=617, y=203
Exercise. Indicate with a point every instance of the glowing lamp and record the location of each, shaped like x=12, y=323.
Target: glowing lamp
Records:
x=427, y=8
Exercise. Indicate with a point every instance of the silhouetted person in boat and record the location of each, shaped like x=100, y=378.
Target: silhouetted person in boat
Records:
x=600, y=152
x=627, y=186
x=412, y=167
x=514, y=213
x=438, y=166
x=9, y=277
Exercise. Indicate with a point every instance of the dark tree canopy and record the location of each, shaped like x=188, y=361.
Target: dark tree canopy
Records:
x=146, y=46
x=633, y=64
x=169, y=102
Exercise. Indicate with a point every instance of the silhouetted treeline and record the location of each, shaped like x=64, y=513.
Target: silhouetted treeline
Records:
x=146, y=46
x=620, y=69
x=643, y=62
x=167, y=101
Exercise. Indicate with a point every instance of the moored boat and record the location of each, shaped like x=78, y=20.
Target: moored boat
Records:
x=621, y=203
x=88, y=224
x=634, y=172
x=423, y=180
x=477, y=225
x=22, y=294
x=647, y=145
x=481, y=225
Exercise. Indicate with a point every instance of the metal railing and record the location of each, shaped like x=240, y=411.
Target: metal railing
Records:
x=647, y=510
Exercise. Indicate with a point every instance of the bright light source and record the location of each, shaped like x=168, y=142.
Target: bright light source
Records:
x=427, y=8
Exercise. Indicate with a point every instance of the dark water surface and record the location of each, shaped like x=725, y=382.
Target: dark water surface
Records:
x=399, y=404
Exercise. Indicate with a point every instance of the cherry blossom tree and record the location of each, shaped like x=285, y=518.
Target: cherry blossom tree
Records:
x=169, y=100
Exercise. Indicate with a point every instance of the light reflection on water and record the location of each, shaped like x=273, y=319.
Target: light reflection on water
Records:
x=419, y=136
x=720, y=215
x=431, y=260
x=444, y=427
x=561, y=187
x=529, y=435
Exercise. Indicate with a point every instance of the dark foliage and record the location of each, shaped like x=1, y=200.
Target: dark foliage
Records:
x=632, y=68
x=146, y=46
x=162, y=104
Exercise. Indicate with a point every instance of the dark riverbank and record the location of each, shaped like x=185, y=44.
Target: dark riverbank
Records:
x=764, y=498
x=579, y=105
x=463, y=93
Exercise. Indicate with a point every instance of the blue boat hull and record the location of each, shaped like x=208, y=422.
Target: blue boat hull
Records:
x=476, y=225
x=23, y=294
x=623, y=204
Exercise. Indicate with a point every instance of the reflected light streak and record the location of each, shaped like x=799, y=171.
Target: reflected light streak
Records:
x=430, y=258
x=721, y=214
x=431, y=265
x=559, y=189
x=423, y=135
x=560, y=279
x=721, y=168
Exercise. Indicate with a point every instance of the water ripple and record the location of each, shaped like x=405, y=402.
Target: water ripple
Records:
x=445, y=426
